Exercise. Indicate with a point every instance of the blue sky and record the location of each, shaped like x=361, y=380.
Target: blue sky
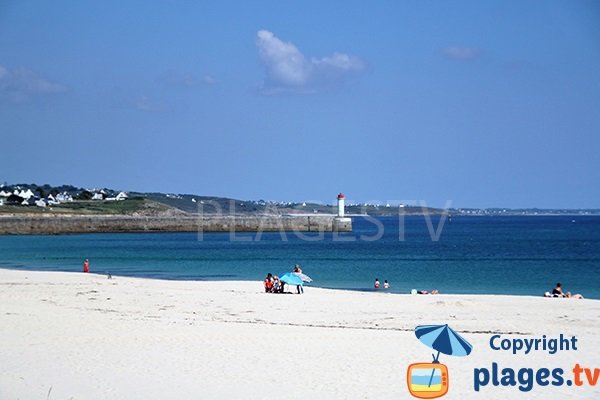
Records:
x=482, y=103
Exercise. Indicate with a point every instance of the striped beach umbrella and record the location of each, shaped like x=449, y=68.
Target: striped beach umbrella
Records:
x=443, y=339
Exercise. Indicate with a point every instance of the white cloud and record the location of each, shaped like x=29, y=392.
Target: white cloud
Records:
x=284, y=62
x=341, y=61
x=288, y=70
x=461, y=53
x=20, y=84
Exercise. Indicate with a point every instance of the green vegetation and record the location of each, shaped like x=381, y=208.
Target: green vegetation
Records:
x=136, y=205
x=127, y=206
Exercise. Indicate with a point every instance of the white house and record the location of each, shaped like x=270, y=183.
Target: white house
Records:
x=26, y=194
x=51, y=200
x=62, y=197
x=98, y=196
x=120, y=196
x=40, y=203
x=4, y=194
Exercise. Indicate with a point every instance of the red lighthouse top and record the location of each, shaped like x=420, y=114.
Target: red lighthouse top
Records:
x=340, y=196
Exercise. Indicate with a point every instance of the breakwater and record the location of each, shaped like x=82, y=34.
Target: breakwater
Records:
x=67, y=224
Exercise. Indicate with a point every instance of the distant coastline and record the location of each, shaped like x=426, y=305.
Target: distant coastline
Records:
x=46, y=209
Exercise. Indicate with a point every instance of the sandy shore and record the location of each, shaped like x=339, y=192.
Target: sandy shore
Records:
x=83, y=336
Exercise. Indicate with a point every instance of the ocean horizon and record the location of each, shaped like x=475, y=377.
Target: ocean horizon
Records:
x=516, y=255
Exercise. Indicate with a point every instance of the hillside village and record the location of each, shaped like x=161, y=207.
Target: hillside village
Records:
x=28, y=198
x=33, y=198
x=46, y=196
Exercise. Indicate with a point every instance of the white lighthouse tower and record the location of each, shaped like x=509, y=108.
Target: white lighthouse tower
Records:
x=341, y=223
x=341, y=205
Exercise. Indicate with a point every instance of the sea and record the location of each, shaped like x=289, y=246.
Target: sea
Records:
x=517, y=255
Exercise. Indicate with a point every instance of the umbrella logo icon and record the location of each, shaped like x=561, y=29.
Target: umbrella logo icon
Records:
x=431, y=380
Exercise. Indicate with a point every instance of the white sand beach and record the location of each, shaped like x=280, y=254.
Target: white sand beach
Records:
x=83, y=336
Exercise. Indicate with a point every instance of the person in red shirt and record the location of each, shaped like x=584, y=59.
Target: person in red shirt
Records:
x=86, y=266
x=269, y=283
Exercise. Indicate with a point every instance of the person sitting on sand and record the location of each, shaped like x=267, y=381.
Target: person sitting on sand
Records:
x=558, y=292
x=297, y=269
x=269, y=283
x=277, y=285
x=386, y=285
x=376, y=285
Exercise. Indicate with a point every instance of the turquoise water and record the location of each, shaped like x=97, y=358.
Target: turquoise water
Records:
x=503, y=255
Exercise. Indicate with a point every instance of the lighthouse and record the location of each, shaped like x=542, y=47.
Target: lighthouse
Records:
x=341, y=223
x=341, y=205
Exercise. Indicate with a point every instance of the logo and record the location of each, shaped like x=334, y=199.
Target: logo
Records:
x=526, y=379
x=431, y=380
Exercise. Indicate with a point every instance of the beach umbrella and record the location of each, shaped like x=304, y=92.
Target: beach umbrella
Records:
x=291, y=279
x=443, y=339
x=304, y=277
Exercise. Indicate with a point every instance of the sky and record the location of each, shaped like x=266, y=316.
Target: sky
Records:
x=476, y=103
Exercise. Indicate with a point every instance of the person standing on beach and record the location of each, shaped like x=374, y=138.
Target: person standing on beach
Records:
x=86, y=265
x=298, y=270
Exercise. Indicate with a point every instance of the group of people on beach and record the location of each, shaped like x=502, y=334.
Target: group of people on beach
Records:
x=377, y=285
x=386, y=285
x=558, y=292
x=273, y=284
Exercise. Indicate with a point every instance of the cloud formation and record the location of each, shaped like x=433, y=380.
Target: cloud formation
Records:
x=288, y=70
x=20, y=84
x=461, y=53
